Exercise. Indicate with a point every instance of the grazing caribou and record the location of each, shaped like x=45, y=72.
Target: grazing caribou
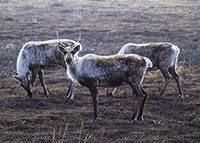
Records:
x=164, y=57
x=34, y=57
x=95, y=71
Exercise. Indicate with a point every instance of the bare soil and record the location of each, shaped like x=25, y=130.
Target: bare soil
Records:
x=106, y=26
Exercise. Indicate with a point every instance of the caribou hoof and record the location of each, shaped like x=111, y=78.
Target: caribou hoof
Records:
x=109, y=94
x=156, y=98
x=30, y=95
x=47, y=95
x=140, y=119
x=68, y=101
x=132, y=121
x=181, y=96
x=97, y=119
x=136, y=120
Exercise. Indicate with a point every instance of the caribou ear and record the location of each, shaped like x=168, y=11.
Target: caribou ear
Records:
x=17, y=78
x=77, y=48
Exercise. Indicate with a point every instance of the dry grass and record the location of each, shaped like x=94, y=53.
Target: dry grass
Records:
x=49, y=120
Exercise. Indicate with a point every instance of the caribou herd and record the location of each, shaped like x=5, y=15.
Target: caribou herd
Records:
x=128, y=66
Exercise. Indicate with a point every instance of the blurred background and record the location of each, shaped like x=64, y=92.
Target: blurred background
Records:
x=106, y=25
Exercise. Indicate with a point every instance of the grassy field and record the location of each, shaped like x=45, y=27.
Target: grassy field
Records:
x=106, y=25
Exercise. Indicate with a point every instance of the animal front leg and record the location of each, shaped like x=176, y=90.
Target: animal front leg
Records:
x=24, y=83
x=29, y=93
x=70, y=92
x=28, y=90
x=27, y=86
x=33, y=77
x=41, y=77
x=94, y=94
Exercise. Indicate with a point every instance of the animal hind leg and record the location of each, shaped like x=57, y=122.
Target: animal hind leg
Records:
x=172, y=71
x=41, y=77
x=167, y=80
x=138, y=114
x=110, y=91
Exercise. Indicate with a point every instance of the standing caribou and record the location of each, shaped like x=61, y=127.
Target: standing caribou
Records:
x=95, y=71
x=164, y=57
x=34, y=57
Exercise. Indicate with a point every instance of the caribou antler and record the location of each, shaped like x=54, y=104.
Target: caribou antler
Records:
x=59, y=40
x=78, y=39
x=79, y=36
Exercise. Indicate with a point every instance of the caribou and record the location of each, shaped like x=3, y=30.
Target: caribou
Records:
x=95, y=71
x=34, y=57
x=164, y=57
